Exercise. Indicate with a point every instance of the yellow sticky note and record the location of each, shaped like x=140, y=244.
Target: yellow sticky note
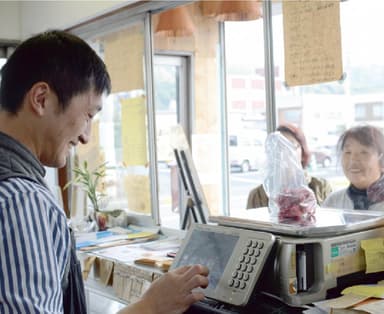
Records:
x=375, y=291
x=133, y=131
x=374, y=254
x=376, y=244
x=375, y=261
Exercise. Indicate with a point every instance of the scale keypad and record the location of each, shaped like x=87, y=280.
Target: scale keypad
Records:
x=246, y=264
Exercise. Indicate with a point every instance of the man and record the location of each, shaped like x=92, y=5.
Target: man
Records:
x=51, y=88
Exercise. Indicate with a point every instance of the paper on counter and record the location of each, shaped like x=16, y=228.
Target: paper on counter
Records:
x=373, y=307
x=94, y=240
x=163, y=244
x=345, y=301
x=128, y=253
x=375, y=291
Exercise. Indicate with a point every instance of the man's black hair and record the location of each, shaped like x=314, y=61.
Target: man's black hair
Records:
x=62, y=60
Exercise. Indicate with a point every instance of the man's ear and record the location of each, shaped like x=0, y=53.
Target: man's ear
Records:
x=38, y=97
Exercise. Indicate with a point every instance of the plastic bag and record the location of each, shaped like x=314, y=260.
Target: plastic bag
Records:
x=285, y=183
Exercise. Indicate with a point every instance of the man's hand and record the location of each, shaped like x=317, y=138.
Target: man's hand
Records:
x=172, y=293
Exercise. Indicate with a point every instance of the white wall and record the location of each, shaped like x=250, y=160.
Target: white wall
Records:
x=21, y=19
x=9, y=20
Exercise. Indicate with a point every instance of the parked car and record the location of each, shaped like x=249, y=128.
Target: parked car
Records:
x=246, y=152
x=322, y=157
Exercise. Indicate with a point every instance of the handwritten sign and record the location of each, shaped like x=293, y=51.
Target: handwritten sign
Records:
x=312, y=42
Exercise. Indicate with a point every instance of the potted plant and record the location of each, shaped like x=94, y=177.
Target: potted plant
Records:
x=89, y=180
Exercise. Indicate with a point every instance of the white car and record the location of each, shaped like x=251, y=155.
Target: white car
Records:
x=246, y=152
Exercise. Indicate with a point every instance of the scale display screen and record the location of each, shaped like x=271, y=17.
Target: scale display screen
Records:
x=210, y=249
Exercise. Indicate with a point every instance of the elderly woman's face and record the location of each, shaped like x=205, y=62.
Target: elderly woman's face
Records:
x=361, y=164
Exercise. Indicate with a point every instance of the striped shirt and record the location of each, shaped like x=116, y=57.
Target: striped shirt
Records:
x=34, y=248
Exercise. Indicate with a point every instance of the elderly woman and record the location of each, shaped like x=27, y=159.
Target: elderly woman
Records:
x=361, y=149
x=321, y=188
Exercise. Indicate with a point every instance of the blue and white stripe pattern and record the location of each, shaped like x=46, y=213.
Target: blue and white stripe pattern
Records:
x=34, y=248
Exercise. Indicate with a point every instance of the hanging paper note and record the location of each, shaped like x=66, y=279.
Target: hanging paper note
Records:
x=138, y=193
x=312, y=42
x=133, y=131
x=123, y=55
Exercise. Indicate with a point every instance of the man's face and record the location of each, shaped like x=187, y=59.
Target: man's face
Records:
x=70, y=127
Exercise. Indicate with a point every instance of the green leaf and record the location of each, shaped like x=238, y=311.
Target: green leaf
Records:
x=89, y=181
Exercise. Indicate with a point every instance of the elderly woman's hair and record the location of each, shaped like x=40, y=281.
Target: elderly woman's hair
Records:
x=299, y=136
x=366, y=135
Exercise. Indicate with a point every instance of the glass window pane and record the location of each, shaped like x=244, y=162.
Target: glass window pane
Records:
x=377, y=110
x=119, y=134
x=325, y=110
x=168, y=98
x=199, y=114
x=244, y=48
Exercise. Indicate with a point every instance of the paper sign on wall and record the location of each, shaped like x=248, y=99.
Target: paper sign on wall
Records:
x=137, y=191
x=312, y=42
x=123, y=55
x=133, y=131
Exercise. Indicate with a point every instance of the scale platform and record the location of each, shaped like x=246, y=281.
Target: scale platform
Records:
x=326, y=222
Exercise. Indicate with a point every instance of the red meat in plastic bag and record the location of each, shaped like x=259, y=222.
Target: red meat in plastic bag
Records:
x=297, y=204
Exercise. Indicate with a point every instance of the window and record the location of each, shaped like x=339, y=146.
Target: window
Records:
x=244, y=50
x=238, y=83
x=172, y=108
x=257, y=84
x=369, y=111
x=377, y=111
x=200, y=115
x=146, y=102
x=120, y=131
x=220, y=111
x=239, y=104
x=323, y=111
x=360, y=112
x=328, y=109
